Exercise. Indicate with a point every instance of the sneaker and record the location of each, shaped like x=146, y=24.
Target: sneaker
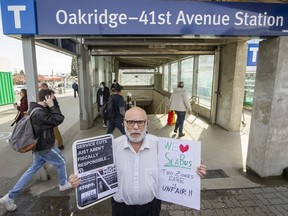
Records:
x=181, y=135
x=175, y=130
x=104, y=126
x=65, y=186
x=8, y=203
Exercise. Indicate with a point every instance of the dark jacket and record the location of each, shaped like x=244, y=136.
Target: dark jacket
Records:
x=75, y=86
x=22, y=108
x=105, y=93
x=43, y=122
x=119, y=106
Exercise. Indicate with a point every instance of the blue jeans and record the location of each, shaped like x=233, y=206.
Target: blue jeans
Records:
x=180, y=121
x=53, y=157
x=113, y=123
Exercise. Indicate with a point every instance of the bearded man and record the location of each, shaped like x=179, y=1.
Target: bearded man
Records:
x=136, y=163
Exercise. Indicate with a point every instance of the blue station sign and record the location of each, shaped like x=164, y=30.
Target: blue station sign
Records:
x=147, y=17
x=18, y=17
x=252, y=56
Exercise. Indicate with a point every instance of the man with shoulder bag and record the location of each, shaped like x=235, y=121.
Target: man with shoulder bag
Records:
x=58, y=136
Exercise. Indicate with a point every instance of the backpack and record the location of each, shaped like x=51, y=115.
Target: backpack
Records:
x=107, y=110
x=22, y=138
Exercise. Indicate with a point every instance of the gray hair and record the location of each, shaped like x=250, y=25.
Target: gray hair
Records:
x=180, y=84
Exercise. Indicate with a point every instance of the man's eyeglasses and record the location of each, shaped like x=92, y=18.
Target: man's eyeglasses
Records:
x=131, y=123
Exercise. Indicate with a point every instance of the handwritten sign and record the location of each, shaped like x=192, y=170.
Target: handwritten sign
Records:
x=177, y=166
x=93, y=160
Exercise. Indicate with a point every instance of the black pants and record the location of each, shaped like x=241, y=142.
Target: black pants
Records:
x=152, y=208
x=104, y=119
x=75, y=93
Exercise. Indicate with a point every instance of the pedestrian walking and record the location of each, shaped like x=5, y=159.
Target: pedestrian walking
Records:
x=75, y=88
x=179, y=102
x=43, y=121
x=119, y=111
x=103, y=95
x=57, y=133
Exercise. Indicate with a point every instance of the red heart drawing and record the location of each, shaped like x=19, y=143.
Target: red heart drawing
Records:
x=183, y=148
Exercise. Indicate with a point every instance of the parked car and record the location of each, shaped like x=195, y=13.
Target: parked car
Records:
x=17, y=88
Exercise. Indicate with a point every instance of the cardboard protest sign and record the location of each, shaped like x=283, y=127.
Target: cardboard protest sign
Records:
x=178, y=181
x=93, y=161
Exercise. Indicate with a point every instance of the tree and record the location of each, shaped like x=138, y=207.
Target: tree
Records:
x=74, y=66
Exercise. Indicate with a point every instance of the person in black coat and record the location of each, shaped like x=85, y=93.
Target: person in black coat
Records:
x=103, y=95
x=75, y=88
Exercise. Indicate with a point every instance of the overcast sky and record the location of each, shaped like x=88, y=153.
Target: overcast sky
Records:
x=11, y=53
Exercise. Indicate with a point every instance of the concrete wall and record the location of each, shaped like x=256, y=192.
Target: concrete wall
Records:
x=201, y=111
x=267, y=152
x=231, y=85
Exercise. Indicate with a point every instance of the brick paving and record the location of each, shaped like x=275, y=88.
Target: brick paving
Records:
x=260, y=201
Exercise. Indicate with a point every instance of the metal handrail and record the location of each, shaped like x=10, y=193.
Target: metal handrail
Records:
x=193, y=100
x=166, y=106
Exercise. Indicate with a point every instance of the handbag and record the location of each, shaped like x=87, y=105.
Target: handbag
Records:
x=170, y=118
x=16, y=118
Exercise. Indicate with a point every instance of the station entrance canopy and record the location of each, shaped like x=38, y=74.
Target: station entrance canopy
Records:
x=142, y=17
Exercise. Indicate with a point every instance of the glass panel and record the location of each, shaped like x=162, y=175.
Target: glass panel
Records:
x=137, y=77
x=174, y=75
x=249, y=88
x=165, y=78
x=100, y=69
x=205, y=78
x=187, y=75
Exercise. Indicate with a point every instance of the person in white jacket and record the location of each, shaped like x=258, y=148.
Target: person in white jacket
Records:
x=179, y=102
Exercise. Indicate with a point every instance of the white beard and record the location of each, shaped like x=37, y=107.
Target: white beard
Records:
x=136, y=139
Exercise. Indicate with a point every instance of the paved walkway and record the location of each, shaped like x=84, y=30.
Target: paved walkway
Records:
x=261, y=201
x=237, y=195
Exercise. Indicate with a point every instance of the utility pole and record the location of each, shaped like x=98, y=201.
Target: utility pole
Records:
x=52, y=80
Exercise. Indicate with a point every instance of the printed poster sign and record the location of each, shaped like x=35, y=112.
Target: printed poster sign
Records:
x=93, y=161
x=178, y=181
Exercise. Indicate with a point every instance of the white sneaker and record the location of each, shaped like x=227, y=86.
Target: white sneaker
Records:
x=104, y=126
x=8, y=203
x=65, y=186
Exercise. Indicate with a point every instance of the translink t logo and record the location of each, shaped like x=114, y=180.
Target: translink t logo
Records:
x=18, y=17
x=16, y=10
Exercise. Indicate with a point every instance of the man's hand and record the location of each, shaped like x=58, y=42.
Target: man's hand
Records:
x=49, y=100
x=201, y=170
x=74, y=180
